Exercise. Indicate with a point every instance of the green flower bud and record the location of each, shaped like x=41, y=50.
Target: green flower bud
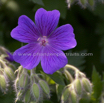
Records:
x=68, y=75
x=9, y=73
x=35, y=90
x=74, y=98
x=2, y=50
x=65, y=94
x=16, y=84
x=86, y=85
x=19, y=95
x=27, y=97
x=11, y=66
x=86, y=96
x=2, y=83
x=23, y=81
x=45, y=87
x=78, y=87
x=20, y=69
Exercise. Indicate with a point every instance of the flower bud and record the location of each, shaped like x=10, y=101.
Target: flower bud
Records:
x=2, y=50
x=74, y=98
x=23, y=81
x=9, y=73
x=68, y=75
x=19, y=70
x=78, y=87
x=19, y=95
x=45, y=87
x=86, y=85
x=6, y=54
x=35, y=90
x=27, y=97
x=11, y=66
x=65, y=94
x=86, y=95
x=2, y=83
x=16, y=84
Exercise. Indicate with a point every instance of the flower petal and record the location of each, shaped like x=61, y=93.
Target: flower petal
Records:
x=46, y=21
x=63, y=38
x=52, y=60
x=9, y=57
x=28, y=56
x=26, y=31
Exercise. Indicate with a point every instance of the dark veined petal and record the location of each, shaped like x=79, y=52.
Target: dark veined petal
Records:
x=46, y=21
x=28, y=55
x=63, y=38
x=26, y=31
x=52, y=60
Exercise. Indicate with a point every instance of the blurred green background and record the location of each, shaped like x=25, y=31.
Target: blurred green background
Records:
x=88, y=27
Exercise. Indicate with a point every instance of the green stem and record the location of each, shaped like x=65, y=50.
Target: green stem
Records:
x=71, y=67
x=33, y=76
x=77, y=71
x=33, y=71
x=1, y=71
x=69, y=76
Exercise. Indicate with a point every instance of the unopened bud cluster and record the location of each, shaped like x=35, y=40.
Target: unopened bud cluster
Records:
x=77, y=89
x=6, y=70
x=29, y=87
x=83, y=3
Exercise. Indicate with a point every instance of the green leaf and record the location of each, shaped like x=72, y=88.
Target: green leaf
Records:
x=76, y=58
x=59, y=89
x=84, y=101
x=40, y=2
x=58, y=78
x=97, y=84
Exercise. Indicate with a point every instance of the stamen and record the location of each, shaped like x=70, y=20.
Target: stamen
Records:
x=44, y=37
x=42, y=41
x=38, y=39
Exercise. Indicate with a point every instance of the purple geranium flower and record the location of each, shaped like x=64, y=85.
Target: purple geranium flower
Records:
x=45, y=42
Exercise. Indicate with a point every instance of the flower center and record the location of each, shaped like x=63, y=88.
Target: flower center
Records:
x=43, y=40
